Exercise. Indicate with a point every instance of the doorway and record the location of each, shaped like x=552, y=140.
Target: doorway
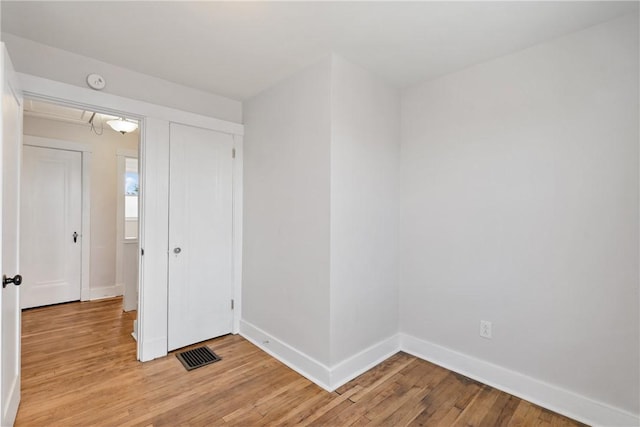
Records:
x=80, y=147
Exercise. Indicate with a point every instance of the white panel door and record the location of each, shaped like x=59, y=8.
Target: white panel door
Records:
x=10, y=203
x=200, y=235
x=51, y=250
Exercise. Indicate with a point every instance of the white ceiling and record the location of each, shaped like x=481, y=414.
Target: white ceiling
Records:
x=238, y=49
x=60, y=113
x=56, y=112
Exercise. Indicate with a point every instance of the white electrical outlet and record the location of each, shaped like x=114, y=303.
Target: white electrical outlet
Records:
x=485, y=329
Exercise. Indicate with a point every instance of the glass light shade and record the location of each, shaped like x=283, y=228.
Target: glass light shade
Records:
x=123, y=126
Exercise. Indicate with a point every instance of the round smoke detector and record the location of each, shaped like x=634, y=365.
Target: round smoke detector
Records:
x=96, y=81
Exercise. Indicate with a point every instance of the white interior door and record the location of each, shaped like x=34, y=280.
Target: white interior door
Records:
x=200, y=235
x=10, y=296
x=51, y=249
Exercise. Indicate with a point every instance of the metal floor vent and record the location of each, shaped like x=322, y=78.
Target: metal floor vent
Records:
x=197, y=357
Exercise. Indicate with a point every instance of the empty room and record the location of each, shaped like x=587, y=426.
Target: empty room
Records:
x=320, y=213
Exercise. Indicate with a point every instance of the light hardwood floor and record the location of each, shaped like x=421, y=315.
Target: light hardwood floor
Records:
x=79, y=368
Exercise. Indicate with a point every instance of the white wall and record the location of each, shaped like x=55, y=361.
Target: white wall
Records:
x=285, y=290
x=365, y=148
x=320, y=268
x=103, y=178
x=56, y=64
x=520, y=206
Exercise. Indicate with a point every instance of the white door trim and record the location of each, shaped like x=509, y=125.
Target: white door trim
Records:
x=85, y=150
x=103, y=102
x=154, y=129
x=237, y=230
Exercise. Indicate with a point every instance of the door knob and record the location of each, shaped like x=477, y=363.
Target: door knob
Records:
x=16, y=280
x=75, y=237
x=177, y=250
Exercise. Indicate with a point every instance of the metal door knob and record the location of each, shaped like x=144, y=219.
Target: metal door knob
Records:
x=16, y=280
x=177, y=250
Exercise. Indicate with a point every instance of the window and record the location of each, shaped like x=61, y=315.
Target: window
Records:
x=131, y=190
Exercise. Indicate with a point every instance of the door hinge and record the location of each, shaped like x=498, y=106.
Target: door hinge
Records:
x=232, y=304
x=142, y=251
x=233, y=153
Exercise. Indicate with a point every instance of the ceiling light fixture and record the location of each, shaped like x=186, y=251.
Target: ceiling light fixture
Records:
x=122, y=125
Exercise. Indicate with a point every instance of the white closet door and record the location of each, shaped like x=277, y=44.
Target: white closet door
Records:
x=51, y=226
x=200, y=235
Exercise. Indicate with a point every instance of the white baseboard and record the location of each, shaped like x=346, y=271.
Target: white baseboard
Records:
x=549, y=396
x=306, y=366
x=360, y=363
x=106, y=292
x=134, y=334
x=317, y=372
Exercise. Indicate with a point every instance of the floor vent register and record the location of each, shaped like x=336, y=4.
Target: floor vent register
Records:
x=197, y=357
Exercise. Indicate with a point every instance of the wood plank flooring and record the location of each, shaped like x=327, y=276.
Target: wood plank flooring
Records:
x=79, y=369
